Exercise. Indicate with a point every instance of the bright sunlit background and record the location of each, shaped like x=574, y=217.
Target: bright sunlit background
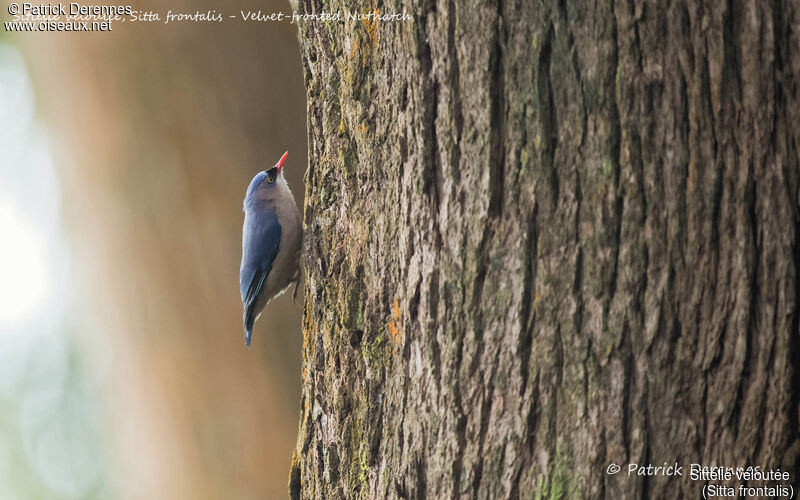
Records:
x=124, y=158
x=50, y=417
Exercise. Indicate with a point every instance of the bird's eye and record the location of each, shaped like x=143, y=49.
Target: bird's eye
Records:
x=270, y=179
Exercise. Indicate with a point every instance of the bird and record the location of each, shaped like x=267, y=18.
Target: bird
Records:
x=272, y=236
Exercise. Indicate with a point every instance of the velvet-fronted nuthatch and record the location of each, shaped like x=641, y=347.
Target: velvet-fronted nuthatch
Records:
x=271, y=239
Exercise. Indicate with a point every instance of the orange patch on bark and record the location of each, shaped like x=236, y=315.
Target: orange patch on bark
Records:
x=394, y=331
x=372, y=26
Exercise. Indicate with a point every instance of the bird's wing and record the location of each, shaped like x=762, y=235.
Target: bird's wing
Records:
x=260, y=244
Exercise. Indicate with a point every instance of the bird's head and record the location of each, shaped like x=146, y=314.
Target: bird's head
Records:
x=266, y=180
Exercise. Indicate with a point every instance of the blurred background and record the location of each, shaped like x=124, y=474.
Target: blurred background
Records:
x=124, y=158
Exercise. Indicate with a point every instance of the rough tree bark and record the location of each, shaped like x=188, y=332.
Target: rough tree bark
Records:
x=543, y=237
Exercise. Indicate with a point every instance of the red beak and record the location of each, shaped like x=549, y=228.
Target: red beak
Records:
x=281, y=161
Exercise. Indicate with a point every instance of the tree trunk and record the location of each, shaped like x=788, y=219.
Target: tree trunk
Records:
x=543, y=237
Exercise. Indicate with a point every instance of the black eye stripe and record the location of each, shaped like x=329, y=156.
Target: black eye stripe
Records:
x=272, y=174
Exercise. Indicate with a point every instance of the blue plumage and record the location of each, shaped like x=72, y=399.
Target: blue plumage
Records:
x=260, y=245
x=271, y=239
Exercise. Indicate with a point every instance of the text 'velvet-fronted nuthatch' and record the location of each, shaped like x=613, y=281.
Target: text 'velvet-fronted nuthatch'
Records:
x=271, y=239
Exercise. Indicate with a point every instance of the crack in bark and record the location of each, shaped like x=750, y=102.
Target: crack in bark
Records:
x=422, y=483
x=794, y=348
x=527, y=312
x=486, y=410
x=436, y=349
x=576, y=68
x=615, y=143
x=477, y=294
x=497, y=112
x=458, y=463
x=548, y=121
x=455, y=86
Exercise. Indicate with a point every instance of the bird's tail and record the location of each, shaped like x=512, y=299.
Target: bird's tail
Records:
x=249, y=320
